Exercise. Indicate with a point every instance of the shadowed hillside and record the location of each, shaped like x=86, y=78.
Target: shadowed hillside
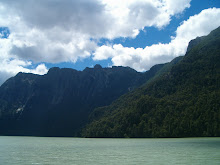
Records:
x=182, y=102
x=58, y=103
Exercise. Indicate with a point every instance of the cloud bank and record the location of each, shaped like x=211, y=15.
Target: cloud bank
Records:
x=68, y=31
x=142, y=59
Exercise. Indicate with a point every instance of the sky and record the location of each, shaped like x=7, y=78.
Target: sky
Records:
x=38, y=35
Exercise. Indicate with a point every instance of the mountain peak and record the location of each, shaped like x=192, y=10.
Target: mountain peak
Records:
x=53, y=70
x=97, y=66
x=194, y=43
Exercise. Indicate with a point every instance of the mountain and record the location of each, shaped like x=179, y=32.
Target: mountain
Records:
x=59, y=103
x=183, y=101
x=176, y=99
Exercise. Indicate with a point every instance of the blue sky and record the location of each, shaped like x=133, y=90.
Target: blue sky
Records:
x=38, y=35
x=148, y=36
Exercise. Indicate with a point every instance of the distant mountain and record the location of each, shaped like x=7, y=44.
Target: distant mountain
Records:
x=182, y=100
x=59, y=103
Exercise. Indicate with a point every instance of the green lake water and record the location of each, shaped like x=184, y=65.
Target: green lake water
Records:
x=85, y=151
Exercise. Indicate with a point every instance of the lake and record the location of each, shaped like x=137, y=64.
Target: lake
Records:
x=16, y=150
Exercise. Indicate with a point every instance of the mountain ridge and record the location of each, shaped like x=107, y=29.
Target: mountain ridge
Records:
x=181, y=102
x=176, y=99
x=58, y=103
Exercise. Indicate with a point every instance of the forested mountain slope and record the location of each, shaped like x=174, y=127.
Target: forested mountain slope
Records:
x=184, y=101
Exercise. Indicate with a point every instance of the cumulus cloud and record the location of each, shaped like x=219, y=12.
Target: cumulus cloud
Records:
x=4, y=76
x=60, y=31
x=175, y=7
x=142, y=59
x=10, y=67
x=69, y=30
x=131, y=16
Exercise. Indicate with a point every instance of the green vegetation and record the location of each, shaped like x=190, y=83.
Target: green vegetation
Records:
x=184, y=101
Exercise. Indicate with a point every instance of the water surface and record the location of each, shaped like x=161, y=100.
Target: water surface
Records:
x=82, y=151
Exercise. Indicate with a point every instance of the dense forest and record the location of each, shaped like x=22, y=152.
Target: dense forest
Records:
x=183, y=101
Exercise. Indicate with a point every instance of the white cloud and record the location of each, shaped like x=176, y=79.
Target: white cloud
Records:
x=14, y=66
x=142, y=59
x=40, y=69
x=4, y=76
x=133, y=15
x=54, y=31
x=68, y=30
x=9, y=68
x=200, y=24
x=176, y=6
